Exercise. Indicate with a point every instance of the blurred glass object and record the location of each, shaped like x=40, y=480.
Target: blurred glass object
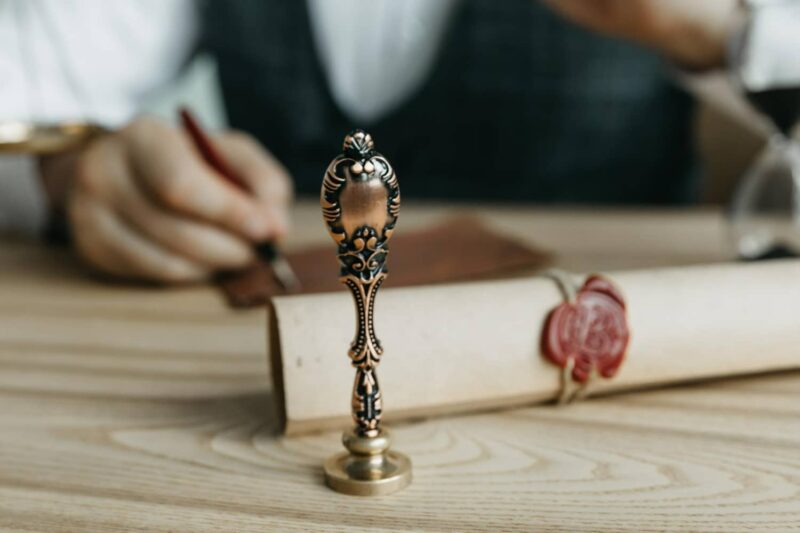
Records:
x=765, y=213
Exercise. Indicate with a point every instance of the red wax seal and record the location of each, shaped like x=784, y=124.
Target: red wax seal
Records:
x=592, y=331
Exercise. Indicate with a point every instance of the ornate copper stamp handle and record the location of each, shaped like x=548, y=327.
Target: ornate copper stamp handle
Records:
x=360, y=201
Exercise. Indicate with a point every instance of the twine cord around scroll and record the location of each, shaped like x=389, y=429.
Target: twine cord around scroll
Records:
x=587, y=335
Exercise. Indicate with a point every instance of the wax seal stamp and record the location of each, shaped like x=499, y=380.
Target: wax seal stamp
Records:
x=360, y=202
x=587, y=335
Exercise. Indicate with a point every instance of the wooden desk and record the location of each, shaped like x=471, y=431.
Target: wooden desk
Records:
x=128, y=408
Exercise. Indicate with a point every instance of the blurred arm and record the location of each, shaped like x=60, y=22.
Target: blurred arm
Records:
x=762, y=55
x=88, y=60
x=722, y=92
x=718, y=44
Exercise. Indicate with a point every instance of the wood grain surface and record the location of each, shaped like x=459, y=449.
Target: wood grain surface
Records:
x=142, y=409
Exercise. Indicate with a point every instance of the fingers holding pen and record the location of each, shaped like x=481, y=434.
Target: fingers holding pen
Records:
x=171, y=172
x=111, y=246
x=144, y=204
x=204, y=243
x=266, y=178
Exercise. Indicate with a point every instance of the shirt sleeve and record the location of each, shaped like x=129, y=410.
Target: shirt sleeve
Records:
x=84, y=60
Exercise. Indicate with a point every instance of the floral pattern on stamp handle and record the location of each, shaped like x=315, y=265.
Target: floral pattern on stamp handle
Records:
x=592, y=331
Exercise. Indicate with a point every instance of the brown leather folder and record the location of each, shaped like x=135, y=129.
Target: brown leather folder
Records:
x=456, y=250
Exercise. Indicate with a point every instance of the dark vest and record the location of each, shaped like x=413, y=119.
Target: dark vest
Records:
x=520, y=105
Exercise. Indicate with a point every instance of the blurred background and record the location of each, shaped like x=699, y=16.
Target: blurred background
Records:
x=525, y=102
x=726, y=146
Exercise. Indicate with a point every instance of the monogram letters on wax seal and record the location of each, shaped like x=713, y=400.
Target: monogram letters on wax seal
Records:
x=587, y=335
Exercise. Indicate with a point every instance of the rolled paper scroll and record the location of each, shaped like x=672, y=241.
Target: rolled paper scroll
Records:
x=473, y=346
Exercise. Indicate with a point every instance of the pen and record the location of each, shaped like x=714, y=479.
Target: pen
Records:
x=266, y=250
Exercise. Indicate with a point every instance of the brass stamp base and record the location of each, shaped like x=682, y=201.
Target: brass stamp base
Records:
x=369, y=468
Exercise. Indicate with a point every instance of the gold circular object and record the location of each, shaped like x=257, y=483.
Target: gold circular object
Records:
x=368, y=468
x=42, y=139
x=363, y=445
x=368, y=475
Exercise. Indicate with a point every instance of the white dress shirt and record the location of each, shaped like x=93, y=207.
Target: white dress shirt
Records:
x=390, y=58
x=99, y=60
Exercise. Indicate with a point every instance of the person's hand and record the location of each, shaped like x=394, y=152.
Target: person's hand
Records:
x=693, y=33
x=142, y=203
